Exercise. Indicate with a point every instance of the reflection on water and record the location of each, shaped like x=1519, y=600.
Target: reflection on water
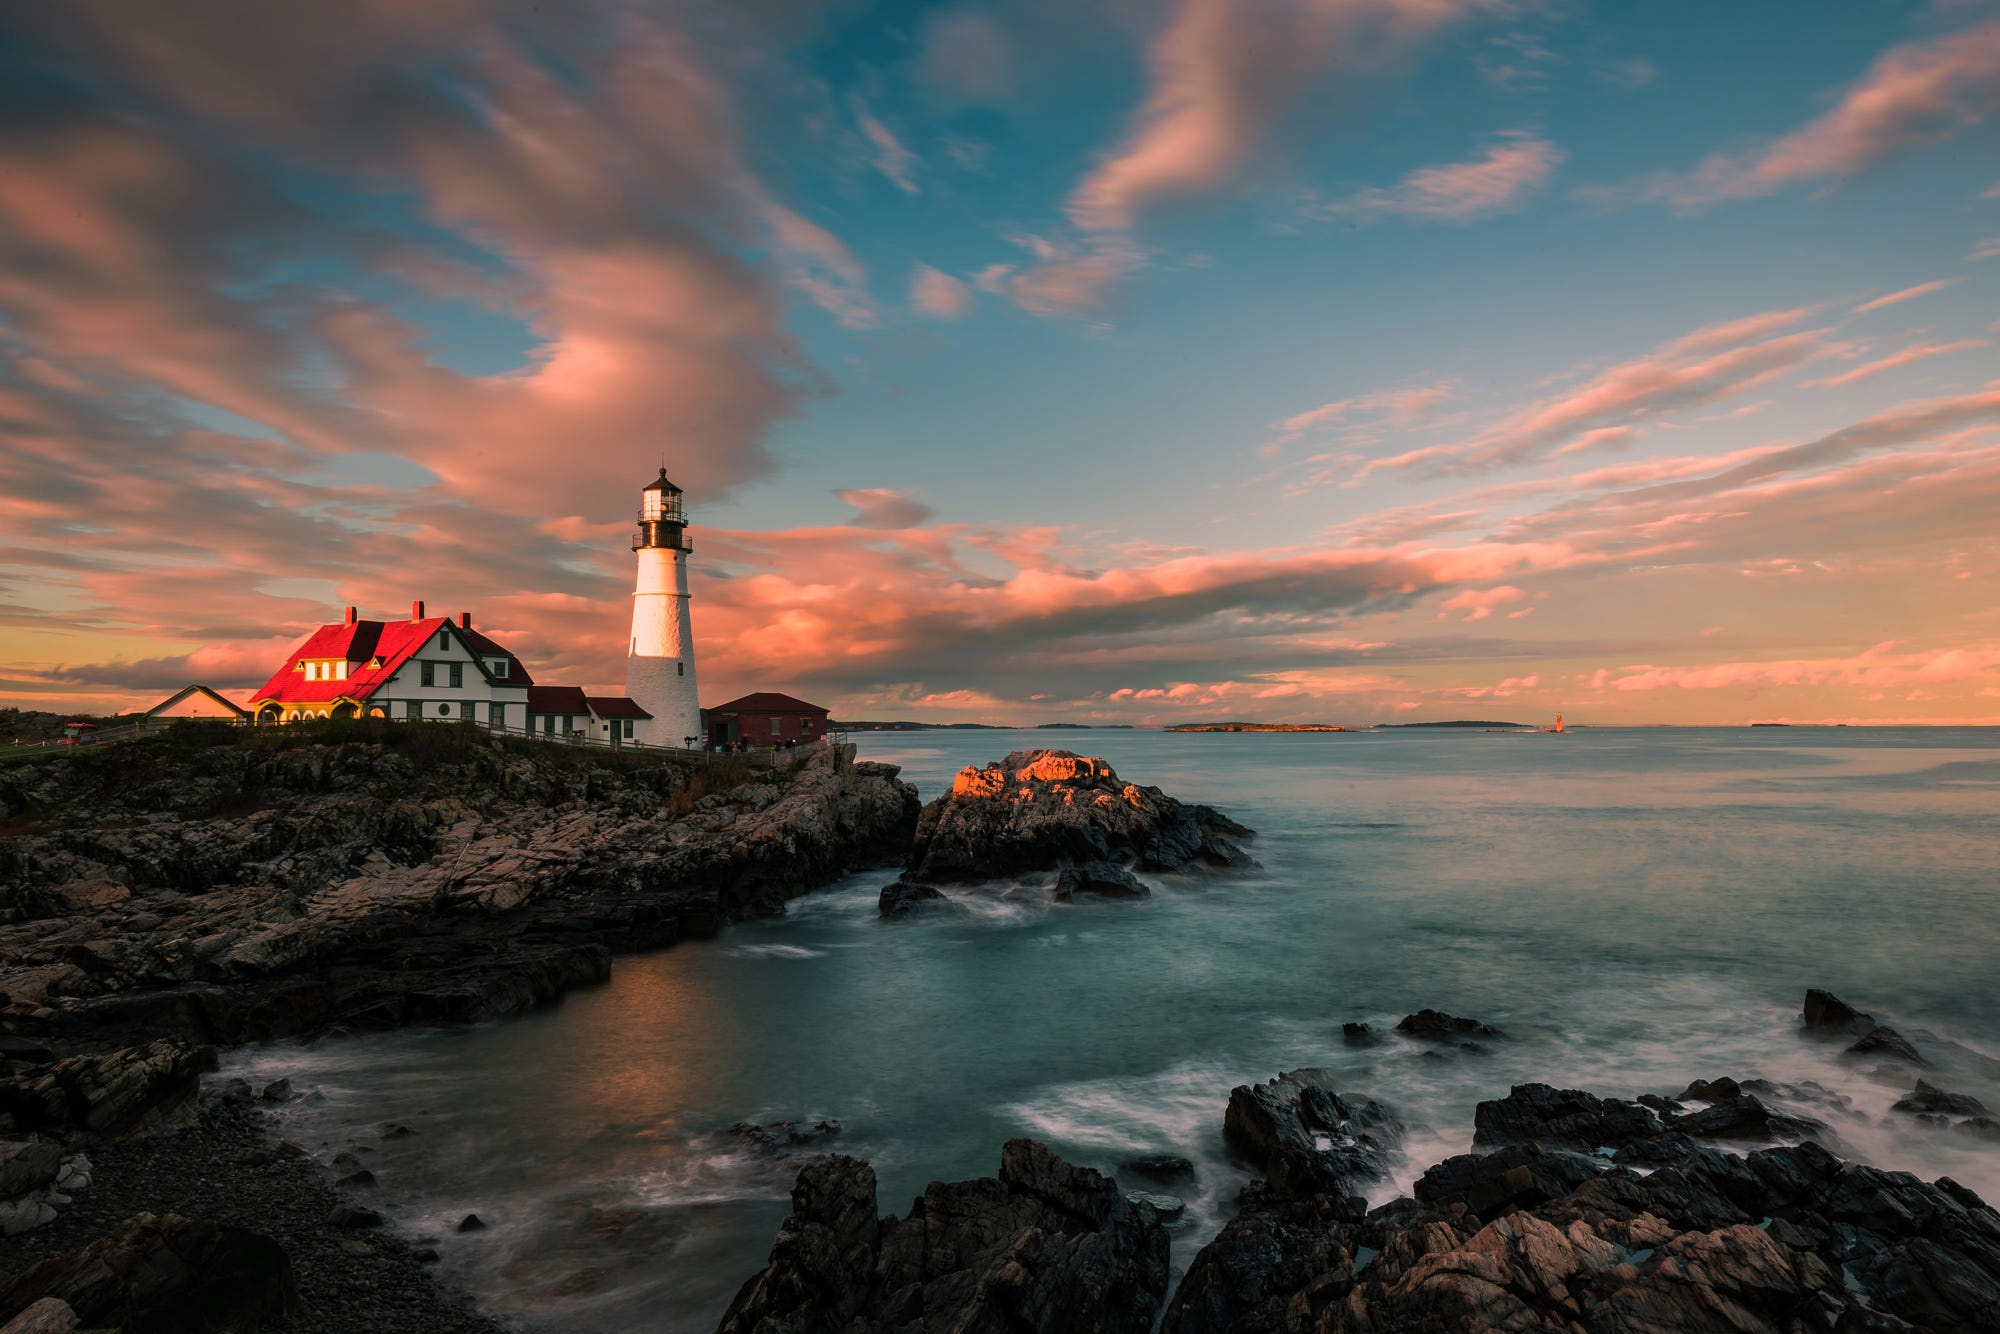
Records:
x=1635, y=908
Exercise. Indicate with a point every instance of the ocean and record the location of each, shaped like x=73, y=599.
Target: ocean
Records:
x=1634, y=908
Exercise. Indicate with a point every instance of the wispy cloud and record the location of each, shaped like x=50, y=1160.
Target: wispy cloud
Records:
x=1513, y=168
x=881, y=508
x=892, y=159
x=1906, y=294
x=1706, y=366
x=1917, y=352
x=1916, y=94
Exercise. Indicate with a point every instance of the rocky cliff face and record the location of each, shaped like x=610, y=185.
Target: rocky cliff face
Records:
x=230, y=892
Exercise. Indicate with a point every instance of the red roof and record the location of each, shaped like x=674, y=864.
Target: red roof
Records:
x=390, y=643
x=558, y=699
x=615, y=706
x=768, y=701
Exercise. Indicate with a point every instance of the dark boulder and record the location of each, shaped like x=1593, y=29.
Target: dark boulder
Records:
x=1827, y=1015
x=1929, y=1098
x=1044, y=1247
x=1552, y=1118
x=1308, y=1139
x=164, y=1275
x=1359, y=1035
x=1437, y=1026
x=1106, y=879
x=788, y=1139
x=1885, y=1041
x=904, y=897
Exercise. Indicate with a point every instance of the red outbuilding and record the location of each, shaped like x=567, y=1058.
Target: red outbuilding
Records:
x=765, y=718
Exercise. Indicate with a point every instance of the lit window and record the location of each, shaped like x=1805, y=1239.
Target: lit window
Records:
x=312, y=671
x=340, y=670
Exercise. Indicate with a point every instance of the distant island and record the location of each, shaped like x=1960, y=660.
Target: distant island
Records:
x=1256, y=727
x=905, y=726
x=1460, y=722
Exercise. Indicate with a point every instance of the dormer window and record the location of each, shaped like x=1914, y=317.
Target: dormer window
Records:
x=499, y=666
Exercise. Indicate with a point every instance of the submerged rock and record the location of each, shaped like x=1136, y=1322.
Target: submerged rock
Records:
x=1885, y=1041
x=1045, y=810
x=903, y=897
x=1437, y=1026
x=1159, y=1166
x=1101, y=878
x=1045, y=1247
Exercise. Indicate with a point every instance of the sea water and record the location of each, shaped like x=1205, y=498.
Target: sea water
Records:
x=1634, y=908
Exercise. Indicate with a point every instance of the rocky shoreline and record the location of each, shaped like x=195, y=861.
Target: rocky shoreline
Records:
x=217, y=886
x=214, y=886
x=1722, y=1211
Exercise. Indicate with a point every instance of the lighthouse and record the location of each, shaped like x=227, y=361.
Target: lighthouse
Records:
x=659, y=672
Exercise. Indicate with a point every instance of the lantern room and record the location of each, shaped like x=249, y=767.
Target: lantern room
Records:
x=661, y=517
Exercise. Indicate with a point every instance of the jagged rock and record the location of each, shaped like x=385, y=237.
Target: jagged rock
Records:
x=1359, y=1035
x=107, y=1095
x=1100, y=878
x=1437, y=1026
x=1551, y=1118
x=1045, y=1247
x=903, y=897
x=471, y=1223
x=163, y=1272
x=1308, y=1139
x=1540, y=1237
x=1042, y=810
x=1929, y=1098
x=1885, y=1041
x=1826, y=1015
x=1980, y=1127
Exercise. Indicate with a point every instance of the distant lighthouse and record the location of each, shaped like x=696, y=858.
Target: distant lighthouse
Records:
x=659, y=673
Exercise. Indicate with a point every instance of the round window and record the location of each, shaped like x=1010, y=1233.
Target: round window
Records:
x=444, y=709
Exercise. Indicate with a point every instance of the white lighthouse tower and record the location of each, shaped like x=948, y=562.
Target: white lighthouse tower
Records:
x=659, y=674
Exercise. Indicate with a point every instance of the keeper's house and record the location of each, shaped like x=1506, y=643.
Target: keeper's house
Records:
x=426, y=667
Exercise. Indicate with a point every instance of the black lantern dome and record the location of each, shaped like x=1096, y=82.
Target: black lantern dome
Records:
x=661, y=518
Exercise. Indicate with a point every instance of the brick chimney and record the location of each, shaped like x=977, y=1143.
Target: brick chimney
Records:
x=417, y=610
x=350, y=616
x=465, y=620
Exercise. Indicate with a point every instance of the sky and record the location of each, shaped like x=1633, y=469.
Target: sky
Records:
x=1063, y=360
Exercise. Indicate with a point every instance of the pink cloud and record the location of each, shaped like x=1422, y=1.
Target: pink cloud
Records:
x=881, y=508
x=1710, y=364
x=1917, y=352
x=1515, y=166
x=1869, y=669
x=1478, y=604
x=1906, y=294
x=938, y=295
x=1915, y=94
